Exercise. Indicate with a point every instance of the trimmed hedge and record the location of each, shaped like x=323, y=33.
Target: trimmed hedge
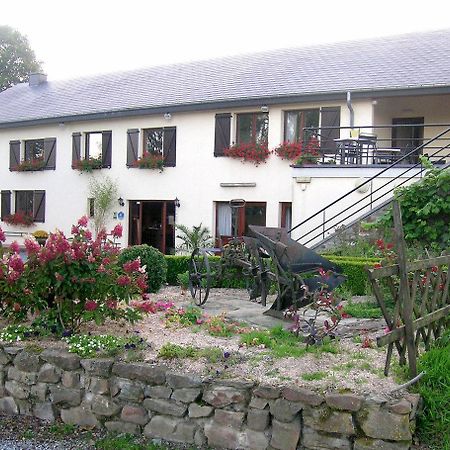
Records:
x=353, y=268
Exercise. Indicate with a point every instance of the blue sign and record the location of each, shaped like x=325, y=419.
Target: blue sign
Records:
x=120, y=215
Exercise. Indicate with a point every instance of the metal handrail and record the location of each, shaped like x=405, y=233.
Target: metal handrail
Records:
x=369, y=180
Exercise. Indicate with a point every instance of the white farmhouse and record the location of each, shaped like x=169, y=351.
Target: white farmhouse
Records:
x=367, y=104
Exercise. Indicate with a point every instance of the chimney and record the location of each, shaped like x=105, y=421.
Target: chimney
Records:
x=37, y=78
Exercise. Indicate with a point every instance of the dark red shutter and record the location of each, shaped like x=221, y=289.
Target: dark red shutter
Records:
x=14, y=154
x=222, y=133
x=76, y=148
x=170, y=146
x=39, y=206
x=50, y=153
x=106, y=149
x=330, y=117
x=6, y=204
x=132, y=146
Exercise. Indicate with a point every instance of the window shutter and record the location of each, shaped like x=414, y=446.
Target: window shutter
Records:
x=14, y=154
x=222, y=133
x=330, y=117
x=39, y=206
x=6, y=204
x=170, y=146
x=106, y=149
x=132, y=146
x=50, y=153
x=76, y=148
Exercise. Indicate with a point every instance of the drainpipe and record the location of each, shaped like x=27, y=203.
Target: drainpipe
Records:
x=350, y=108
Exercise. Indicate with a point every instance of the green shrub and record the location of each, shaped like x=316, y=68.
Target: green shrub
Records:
x=183, y=279
x=356, y=274
x=176, y=265
x=154, y=261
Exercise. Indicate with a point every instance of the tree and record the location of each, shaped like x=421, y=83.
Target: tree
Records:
x=17, y=59
x=192, y=238
x=104, y=193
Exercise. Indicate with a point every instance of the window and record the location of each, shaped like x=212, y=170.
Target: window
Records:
x=295, y=121
x=91, y=207
x=97, y=147
x=235, y=221
x=286, y=215
x=252, y=127
x=157, y=141
x=29, y=203
x=93, y=145
x=34, y=149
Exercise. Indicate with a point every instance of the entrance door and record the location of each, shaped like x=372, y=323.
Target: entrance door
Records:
x=153, y=223
x=408, y=137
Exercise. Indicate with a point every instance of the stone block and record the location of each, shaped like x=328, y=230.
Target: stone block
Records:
x=344, y=402
x=380, y=423
x=61, y=358
x=147, y=373
x=99, y=367
x=126, y=390
x=229, y=418
x=186, y=395
x=254, y=440
x=177, y=381
x=81, y=416
x=8, y=406
x=168, y=407
x=158, y=391
x=285, y=436
x=324, y=419
x=377, y=444
x=25, y=407
x=98, y=386
x=305, y=396
x=258, y=403
x=17, y=390
x=44, y=411
x=71, y=379
x=4, y=357
x=39, y=391
x=197, y=411
x=122, y=427
x=314, y=440
x=221, y=396
x=64, y=396
x=200, y=439
x=48, y=374
x=12, y=351
x=221, y=436
x=258, y=419
x=267, y=391
x=134, y=414
x=171, y=429
x=283, y=410
x=28, y=378
x=401, y=407
x=27, y=362
x=104, y=406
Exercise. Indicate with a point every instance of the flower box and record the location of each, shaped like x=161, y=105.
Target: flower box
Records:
x=289, y=150
x=32, y=165
x=19, y=218
x=150, y=160
x=88, y=164
x=253, y=152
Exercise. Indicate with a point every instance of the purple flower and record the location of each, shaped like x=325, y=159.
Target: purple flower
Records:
x=226, y=354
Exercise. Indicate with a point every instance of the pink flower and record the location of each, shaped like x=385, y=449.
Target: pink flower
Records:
x=31, y=246
x=88, y=235
x=112, y=304
x=2, y=236
x=132, y=266
x=75, y=230
x=123, y=280
x=142, y=283
x=83, y=221
x=14, y=247
x=117, y=231
x=90, y=305
x=16, y=263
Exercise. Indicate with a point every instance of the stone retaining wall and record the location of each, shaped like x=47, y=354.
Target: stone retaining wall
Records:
x=144, y=398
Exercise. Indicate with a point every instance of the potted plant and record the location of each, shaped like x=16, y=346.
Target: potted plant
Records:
x=88, y=164
x=31, y=165
x=19, y=218
x=150, y=160
x=40, y=236
x=289, y=150
x=253, y=152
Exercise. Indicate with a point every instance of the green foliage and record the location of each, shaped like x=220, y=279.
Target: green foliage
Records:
x=17, y=59
x=183, y=279
x=433, y=423
x=175, y=351
x=176, y=265
x=314, y=376
x=88, y=346
x=104, y=192
x=192, y=238
x=62, y=429
x=363, y=310
x=126, y=442
x=354, y=270
x=192, y=315
x=153, y=259
x=15, y=333
x=425, y=209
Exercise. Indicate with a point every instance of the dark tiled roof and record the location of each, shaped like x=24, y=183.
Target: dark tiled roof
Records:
x=406, y=61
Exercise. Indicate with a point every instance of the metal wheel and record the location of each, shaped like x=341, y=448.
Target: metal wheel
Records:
x=199, y=276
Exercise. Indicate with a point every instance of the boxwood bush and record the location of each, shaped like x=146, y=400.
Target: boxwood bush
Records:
x=154, y=261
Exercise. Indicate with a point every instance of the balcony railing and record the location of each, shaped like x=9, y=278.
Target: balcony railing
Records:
x=380, y=144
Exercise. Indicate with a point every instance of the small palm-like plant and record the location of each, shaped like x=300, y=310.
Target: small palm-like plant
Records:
x=192, y=238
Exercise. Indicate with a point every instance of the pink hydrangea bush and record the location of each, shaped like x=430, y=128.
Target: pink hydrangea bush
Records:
x=79, y=276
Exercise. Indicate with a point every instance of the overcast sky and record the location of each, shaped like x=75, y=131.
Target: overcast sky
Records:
x=84, y=37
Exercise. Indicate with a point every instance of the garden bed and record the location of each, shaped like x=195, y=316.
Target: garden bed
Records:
x=349, y=363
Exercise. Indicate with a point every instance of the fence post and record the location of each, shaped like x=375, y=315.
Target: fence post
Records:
x=406, y=302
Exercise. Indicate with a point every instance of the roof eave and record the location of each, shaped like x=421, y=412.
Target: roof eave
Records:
x=239, y=103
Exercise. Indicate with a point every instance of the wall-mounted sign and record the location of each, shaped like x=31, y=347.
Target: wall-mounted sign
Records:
x=120, y=215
